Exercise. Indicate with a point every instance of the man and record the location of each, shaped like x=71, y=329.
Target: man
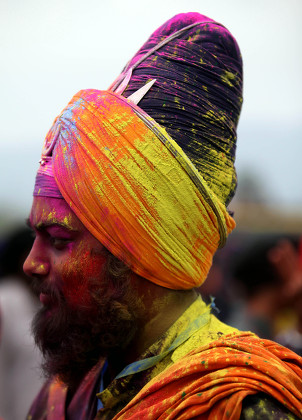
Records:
x=129, y=208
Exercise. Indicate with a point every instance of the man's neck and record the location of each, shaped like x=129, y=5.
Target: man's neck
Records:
x=159, y=308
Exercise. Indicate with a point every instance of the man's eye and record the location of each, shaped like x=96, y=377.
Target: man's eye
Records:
x=59, y=243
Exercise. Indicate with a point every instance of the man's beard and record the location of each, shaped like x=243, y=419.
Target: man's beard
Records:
x=73, y=340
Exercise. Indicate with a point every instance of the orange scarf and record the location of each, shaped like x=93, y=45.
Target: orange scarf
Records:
x=212, y=381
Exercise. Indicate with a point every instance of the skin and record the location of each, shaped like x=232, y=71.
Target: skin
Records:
x=65, y=256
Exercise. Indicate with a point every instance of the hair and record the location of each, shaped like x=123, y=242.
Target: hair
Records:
x=108, y=324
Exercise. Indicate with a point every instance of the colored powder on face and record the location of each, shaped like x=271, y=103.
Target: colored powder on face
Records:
x=80, y=269
x=74, y=257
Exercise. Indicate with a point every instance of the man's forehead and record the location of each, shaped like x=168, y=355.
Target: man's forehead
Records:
x=47, y=211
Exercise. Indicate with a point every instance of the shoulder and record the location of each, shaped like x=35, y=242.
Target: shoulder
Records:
x=263, y=407
x=207, y=333
x=50, y=398
x=38, y=407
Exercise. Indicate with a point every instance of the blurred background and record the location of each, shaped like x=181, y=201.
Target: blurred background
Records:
x=50, y=50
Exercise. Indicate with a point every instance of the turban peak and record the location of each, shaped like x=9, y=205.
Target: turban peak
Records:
x=197, y=95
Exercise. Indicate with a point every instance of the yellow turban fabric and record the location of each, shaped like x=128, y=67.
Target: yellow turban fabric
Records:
x=135, y=190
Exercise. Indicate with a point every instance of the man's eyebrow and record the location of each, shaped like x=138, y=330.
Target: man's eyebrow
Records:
x=50, y=223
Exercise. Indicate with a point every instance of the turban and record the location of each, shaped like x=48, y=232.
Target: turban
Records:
x=135, y=175
x=197, y=95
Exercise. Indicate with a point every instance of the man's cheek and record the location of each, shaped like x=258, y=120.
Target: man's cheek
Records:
x=77, y=272
x=75, y=278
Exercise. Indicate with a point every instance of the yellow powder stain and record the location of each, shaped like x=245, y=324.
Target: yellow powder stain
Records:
x=67, y=219
x=49, y=216
x=262, y=404
x=228, y=78
x=109, y=153
x=216, y=116
x=205, y=364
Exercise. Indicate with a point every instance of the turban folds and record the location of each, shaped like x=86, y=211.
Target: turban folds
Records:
x=151, y=183
x=197, y=95
x=131, y=192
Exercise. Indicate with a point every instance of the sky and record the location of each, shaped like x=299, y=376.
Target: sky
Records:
x=52, y=49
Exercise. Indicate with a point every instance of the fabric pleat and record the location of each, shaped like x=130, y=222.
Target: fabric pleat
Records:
x=212, y=381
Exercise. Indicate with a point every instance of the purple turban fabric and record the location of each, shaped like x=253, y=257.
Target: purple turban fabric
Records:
x=197, y=95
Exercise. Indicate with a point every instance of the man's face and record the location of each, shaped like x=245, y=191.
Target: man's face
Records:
x=86, y=311
x=65, y=256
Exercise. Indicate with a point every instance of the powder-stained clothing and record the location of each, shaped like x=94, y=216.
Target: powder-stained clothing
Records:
x=214, y=379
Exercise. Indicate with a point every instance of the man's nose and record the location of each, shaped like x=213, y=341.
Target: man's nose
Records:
x=36, y=263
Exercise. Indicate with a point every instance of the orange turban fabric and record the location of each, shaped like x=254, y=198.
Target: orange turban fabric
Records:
x=135, y=190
